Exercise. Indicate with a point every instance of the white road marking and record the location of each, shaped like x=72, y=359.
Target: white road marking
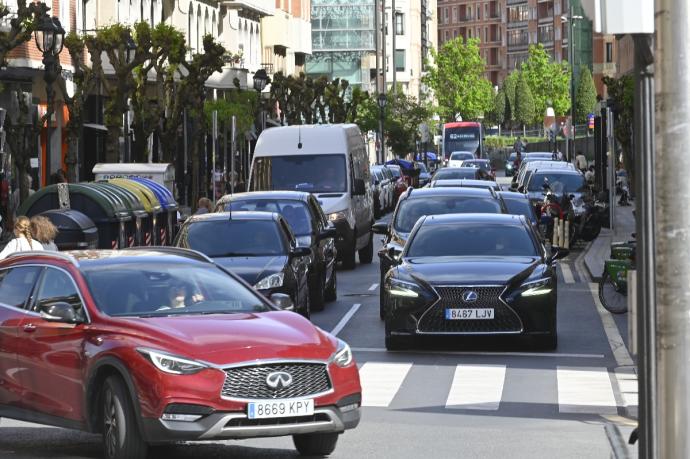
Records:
x=585, y=390
x=373, y=287
x=496, y=354
x=567, y=274
x=477, y=387
x=346, y=318
x=381, y=381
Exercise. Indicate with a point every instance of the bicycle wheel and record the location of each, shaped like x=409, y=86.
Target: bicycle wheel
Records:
x=611, y=298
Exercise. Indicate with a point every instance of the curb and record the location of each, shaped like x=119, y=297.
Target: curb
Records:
x=619, y=447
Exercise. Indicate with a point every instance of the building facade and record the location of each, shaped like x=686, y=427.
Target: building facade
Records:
x=507, y=28
x=604, y=54
x=286, y=37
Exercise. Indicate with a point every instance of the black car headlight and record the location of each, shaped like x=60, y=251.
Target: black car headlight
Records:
x=405, y=289
x=537, y=287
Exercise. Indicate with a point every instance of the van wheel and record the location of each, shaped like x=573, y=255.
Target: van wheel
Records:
x=367, y=253
x=332, y=289
x=121, y=437
x=316, y=293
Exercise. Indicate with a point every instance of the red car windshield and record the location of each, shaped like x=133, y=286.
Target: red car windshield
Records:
x=154, y=289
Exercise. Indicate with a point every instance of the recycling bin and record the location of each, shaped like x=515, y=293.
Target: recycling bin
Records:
x=76, y=231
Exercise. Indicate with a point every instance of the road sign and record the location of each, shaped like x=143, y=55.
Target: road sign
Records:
x=590, y=121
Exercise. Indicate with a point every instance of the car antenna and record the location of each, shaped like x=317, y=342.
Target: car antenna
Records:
x=299, y=136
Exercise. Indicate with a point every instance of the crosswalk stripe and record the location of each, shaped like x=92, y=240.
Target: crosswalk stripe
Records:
x=567, y=274
x=585, y=390
x=381, y=381
x=477, y=387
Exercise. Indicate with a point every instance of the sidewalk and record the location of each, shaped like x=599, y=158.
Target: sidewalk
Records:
x=624, y=226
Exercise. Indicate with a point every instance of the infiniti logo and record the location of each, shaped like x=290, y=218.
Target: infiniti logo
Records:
x=278, y=380
x=469, y=296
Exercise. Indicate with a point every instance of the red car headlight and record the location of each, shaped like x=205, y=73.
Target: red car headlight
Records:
x=172, y=364
x=343, y=356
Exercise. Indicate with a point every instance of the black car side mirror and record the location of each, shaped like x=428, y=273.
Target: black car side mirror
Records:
x=379, y=228
x=283, y=301
x=394, y=255
x=358, y=188
x=327, y=233
x=521, y=189
x=299, y=252
x=59, y=312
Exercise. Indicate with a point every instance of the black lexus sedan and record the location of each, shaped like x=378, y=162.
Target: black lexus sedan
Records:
x=257, y=246
x=414, y=203
x=472, y=274
x=311, y=227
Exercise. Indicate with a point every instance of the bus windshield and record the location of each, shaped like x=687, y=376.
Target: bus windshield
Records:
x=464, y=138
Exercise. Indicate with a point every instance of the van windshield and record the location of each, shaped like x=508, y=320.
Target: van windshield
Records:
x=312, y=173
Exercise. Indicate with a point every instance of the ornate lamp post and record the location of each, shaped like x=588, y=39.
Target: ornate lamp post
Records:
x=261, y=79
x=130, y=53
x=570, y=19
x=49, y=37
x=382, y=101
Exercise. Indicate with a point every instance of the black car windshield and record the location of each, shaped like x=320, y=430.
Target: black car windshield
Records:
x=233, y=238
x=521, y=207
x=295, y=212
x=161, y=289
x=559, y=183
x=476, y=163
x=456, y=174
x=411, y=210
x=470, y=240
x=312, y=173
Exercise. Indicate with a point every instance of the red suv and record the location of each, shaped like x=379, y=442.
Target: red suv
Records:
x=158, y=345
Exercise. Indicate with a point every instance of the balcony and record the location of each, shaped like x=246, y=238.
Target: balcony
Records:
x=515, y=2
x=517, y=24
x=259, y=7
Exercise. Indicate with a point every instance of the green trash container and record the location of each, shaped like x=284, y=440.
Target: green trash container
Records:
x=106, y=211
x=135, y=227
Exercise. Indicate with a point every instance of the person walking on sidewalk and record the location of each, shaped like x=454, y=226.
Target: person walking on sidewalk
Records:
x=23, y=240
x=581, y=162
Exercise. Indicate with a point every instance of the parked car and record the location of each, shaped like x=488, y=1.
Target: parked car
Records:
x=151, y=346
x=518, y=204
x=382, y=189
x=424, y=175
x=484, y=165
x=311, y=228
x=400, y=183
x=330, y=161
x=428, y=201
x=458, y=157
x=260, y=247
x=391, y=185
x=502, y=283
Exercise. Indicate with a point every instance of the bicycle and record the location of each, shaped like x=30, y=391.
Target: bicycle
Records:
x=613, y=285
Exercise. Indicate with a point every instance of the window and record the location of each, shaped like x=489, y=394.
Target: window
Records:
x=479, y=12
x=469, y=33
x=546, y=33
x=455, y=14
x=399, y=60
x=64, y=16
x=518, y=13
x=517, y=37
x=400, y=24
x=486, y=34
x=16, y=285
x=445, y=14
x=609, y=52
x=58, y=287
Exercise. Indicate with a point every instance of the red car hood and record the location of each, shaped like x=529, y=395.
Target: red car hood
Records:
x=225, y=339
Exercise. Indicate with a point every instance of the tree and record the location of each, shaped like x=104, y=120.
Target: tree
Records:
x=622, y=91
x=509, y=88
x=524, y=102
x=549, y=82
x=585, y=96
x=403, y=116
x=457, y=79
x=22, y=25
x=498, y=113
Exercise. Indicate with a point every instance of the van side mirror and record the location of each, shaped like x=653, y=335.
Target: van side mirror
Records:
x=358, y=188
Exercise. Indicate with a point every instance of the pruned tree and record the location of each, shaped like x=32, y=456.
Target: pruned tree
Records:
x=622, y=91
x=22, y=25
x=548, y=80
x=524, y=102
x=585, y=96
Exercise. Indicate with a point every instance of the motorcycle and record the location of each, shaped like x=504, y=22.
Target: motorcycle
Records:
x=591, y=219
x=552, y=208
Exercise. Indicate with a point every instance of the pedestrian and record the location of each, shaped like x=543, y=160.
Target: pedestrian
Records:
x=581, y=162
x=44, y=232
x=517, y=161
x=204, y=207
x=23, y=240
x=58, y=177
x=519, y=145
x=589, y=175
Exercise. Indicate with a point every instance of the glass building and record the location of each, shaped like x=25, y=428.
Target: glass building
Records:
x=342, y=38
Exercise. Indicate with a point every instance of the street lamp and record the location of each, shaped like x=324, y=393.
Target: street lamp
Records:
x=261, y=79
x=49, y=37
x=570, y=19
x=382, y=101
x=130, y=54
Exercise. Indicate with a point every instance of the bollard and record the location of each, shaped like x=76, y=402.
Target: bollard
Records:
x=556, y=224
x=566, y=235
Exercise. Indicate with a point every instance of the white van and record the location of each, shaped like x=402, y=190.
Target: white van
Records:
x=330, y=161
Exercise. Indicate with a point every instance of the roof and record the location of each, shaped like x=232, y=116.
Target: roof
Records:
x=513, y=196
x=448, y=191
x=284, y=195
x=538, y=153
x=550, y=165
x=462, y=124
x=170, y=255
x=315, y=139
x=462, y=169
x=494, y=219
x=465, y=183
x=238, y=215
x=555, y=170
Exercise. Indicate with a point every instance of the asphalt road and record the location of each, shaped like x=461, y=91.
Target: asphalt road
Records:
x=450, y=399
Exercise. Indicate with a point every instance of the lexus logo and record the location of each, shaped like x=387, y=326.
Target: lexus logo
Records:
x=469, y=296
x=278, y=380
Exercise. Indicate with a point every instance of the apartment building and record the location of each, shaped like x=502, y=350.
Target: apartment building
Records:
x=286, y=37
x=506, y=29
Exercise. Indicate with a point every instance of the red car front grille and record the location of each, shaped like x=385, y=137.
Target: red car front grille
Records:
x=249, y=382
